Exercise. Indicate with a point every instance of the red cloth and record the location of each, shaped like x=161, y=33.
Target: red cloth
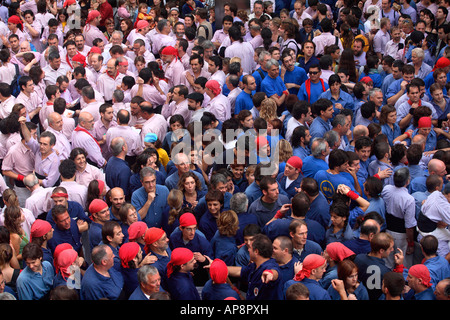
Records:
x=127, y=252
x=16, y=20
x=338, y=252
x=106, y=12
x=136, y=230
x=79, y=58
x=92, y=15
x=424, y=122
x=187, y=219
x=261, y=141
x=152, y=235
x=78, y=128
x=170, y=51
x=311, y=262
x=97, y=205
x=214, y=86
x=296, y=162
x=101, y=187
x=179, y=257
x=39, y=228
x=141, y=24
x=366, y=79
x=65, y=259
x=68, y=3
x=420, y=271
x=60, y=248
x=441, y=63
x=218, y=271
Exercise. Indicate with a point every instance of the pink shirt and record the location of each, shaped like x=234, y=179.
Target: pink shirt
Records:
x=31, y=103
x=77, y=192
x=156, y=124
x=91, y=33
x=130, y=135
x=181, y=108
x=48, y=167
x=93, y=109
x=107, y=84
x=243, y=50
x=98, y=131
x=184, y=81
x=81, y=139
x=68, y=127
x=37, y=203
x=173, y=72
x=220, y=107
x=150, y=94
x=6, y=107
x=62, y=144
x=19, y=159
x=90, y=173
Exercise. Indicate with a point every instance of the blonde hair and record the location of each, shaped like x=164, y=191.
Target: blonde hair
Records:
x=284, y=150
x=228, y=223
x=175, y=202
x=10, y=197
x=268, y=109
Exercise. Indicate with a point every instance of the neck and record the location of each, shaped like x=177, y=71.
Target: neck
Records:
x=259, y=261
x=101, y=270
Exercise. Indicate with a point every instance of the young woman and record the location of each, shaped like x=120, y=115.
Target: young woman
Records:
x=13, y=222
x=223, y=242
x=347, y=286
x=191, y=187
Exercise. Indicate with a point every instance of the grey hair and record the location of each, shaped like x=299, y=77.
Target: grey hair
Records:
x=401, y=177
x=117, y=145
x=30, y=180
x=144, y=271
x=332, y=137
x=216, y=179
x=263, y=54
x=339, y=119
x=419, y=52
x=99, y=254
x=207, y=44
x=146, y=172
x=272, y=62
x=373, y=91
x=120, y=33
x=320, y=147
x=239, y=202
x=48, y=134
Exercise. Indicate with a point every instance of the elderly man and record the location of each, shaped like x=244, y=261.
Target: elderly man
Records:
x=149, y=283
x=421, y=68
x=150, y=200
x=110, y=80
x=273, y=84
x=55, y=125
x=182, y=164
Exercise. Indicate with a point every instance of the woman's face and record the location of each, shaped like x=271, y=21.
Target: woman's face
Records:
x=248, y=122
x=123, y=26
x=352, y=279
x=131, y=216
x=392, y=117
x=189, y=184
x=80, y=161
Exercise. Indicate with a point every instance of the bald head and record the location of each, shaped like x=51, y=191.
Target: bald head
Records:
x=55, y=121
x=420, y=140
x=436, y=166
x=360, y=131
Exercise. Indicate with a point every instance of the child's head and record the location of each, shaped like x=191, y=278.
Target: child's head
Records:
x=250, y=173
x=143, y=7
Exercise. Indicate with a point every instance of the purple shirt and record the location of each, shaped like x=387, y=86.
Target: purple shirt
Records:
x=400, y=204
x=156, y=124
x=81, y=139
x=90, y=173
x=48, y=167
x=19, y=159
x=130, y=135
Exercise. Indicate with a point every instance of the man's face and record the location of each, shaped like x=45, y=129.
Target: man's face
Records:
x=357, y=48
x=290, y=171
x=396, y=73
x=289, y=63
x=328, y=113
x=377, y=98
x=214, y=207
x=149, y=183
x=277, y=253
x=251, y=84
x=437, y=95
x=55, y=63
x=44, y=145
x=414, y=94
x=189, y=232
x=123, y=67
x=71, y=50
x=396, y=34
x=88, y=124
x=57, y=122
x=424, y=131
x=117, y=235
x=152, y=284
x=300, y=235
x=117, y=198
x=272, y=192
x=227, y=25
x=408, y=77
x=208, y=53
x=227, y=11
x=335, y=88
x=63, y=221
x=314, y=74
x=103, y=215
x=111, y=68
x=258, y=9
x=35, y=265
x=308, y=49
x=195, y=66
x=212, y=68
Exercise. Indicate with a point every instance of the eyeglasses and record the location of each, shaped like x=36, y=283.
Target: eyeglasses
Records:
x=313, y=72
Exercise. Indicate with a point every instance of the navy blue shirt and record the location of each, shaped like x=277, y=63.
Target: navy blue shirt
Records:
x=71, y=236
x=156, y=209
x=257, y=290
x=216, y=291
x=181, y=287
x=198, y=244
x=370, y=272
x=95, y=286
x=117, y=174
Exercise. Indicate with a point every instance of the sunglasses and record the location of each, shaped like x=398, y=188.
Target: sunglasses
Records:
x=313, y=72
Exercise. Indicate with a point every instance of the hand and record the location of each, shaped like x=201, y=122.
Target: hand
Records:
x=403, y=85
x=343, y=189
x=298, y=266
x=338, y=106
x=338, y=285
x=149, y=259
x=398, y=257
x=352, y=171
x=267, y=276
x=82, y=225
x=386, y=173
x=139, y=81
x=199, y=257
x=151, y=196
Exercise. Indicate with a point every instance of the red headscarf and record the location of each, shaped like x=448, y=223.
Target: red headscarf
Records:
x=179, y=257
x=214, y=86
x=170, y=51
x=39, y=228
x=424, y=122
x=127, y=252
x=137, y=229
x=338, y=252
x=80, y=59
x=441, y=63
x=311, y=262
x=16, y=20
x=60, y=248
x=152, y=235
x=187, y=219
x=97, y=205
x=92, y=15
x=65, y=259
x=420, y=271
x=296, y=162
x=218, y=271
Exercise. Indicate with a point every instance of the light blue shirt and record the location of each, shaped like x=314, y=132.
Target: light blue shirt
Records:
x=33, y=285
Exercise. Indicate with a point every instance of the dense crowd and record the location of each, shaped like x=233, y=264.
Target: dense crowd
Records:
x=295, y=150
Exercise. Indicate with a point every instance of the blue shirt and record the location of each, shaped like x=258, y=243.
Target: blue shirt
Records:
x=273, y=86
x=71, y=236
x=259, y=78
x=370, y=272
x=319, y=210
x=439, y=269
x=257, y=290
x=312, y=165
x=95, y=234
x=384, y=87
x=360, y=293
x=263, y=213
x=329, y=182
x=301, y=152
x=373, y=170
x=290, y=190
x=345, y=99
x=208, y=225
x=198, y=244
x=297, y=76
x=311, y=61
x=32, y=285
x=172, y=180
x=340, y=236
x=358, y=245
x=375, y=76
x=224, y=248
x=309, y=247
x=75, y=211
x=318, y=128
x=316, y=292
x=316, y=91
x=442, y=114
x=243, y=101
x=181, y=286
x=216, y=291
x=95, y=286
x=154, y=213
x=391, y=134
x=117, y=174
x=394, y=88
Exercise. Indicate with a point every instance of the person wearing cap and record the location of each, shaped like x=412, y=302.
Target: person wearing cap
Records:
x=180, y=283
x=334, y=253
x=419, y=281
x=172, y=66
x=219, y=105
x=101, y=280
x=99, y=213
x=217, y=287
x=435, y=212
x=131, y=260
x=431, y=133
x=186, y=236
x=292, y=176
x=262, y=274
x=437, y=265
x=91, y=30
x=262, y=149
x=141, y=30
x=150, y=200
x=157, y=245
x=441, y=63
x=42, y=231
x=67, y=269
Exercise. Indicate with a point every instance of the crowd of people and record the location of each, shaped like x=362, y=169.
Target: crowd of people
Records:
x=295, y=150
